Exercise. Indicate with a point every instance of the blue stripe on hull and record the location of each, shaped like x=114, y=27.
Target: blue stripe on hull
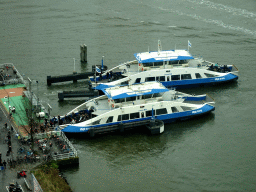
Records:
x=168, y=118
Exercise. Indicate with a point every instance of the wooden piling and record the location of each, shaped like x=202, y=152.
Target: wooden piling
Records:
x=83, y=53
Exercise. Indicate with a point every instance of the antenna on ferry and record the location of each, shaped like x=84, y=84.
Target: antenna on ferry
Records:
x=159, y=47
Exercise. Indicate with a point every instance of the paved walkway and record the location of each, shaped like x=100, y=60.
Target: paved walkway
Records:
x=10, y=174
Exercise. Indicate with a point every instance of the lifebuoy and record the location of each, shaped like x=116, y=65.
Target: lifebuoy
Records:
x=113, y=105
x=139, y=64
x=142, y=69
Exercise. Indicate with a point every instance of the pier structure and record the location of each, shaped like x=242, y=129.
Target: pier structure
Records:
x=19, y=104
x=71, y=94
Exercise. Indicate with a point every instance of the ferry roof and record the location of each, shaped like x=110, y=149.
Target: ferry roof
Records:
x=134, y=90
x=169, y=55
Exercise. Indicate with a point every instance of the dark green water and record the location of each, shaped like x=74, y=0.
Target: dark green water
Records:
x=212, y=153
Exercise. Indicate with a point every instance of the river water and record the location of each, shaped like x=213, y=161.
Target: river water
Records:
x=211, y=153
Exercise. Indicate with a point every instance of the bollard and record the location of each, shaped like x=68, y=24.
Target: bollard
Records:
x=83, y=53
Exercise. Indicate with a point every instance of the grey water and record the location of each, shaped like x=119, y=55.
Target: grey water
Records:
x=210, y=153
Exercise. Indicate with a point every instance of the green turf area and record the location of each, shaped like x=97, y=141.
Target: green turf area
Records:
x=20, y=112
x=12, y=86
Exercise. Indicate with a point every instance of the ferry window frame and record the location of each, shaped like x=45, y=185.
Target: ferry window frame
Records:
x=148, y=79
x=185, y=76
x=175, y=77
x=135, y=115
x=161, y=111
x=174, y=109
x=198, y=75
x=110, y=119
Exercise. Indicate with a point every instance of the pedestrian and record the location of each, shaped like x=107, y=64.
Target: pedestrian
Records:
x=45, y=122
x=4, y=163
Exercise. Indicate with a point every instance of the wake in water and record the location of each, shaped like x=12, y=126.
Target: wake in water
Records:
x=208, y=8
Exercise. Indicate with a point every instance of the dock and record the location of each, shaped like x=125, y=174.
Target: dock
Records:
x=71, y=77
x=86, y=93
x=17, y=105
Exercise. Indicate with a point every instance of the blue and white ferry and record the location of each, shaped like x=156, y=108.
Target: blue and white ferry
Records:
x=123, y=107
x=173, y=68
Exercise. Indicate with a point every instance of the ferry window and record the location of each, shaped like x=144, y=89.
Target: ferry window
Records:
x=167, y=70
x=161, y=111
x=198, y=76
x=125, y=117
x=117, y=100
x=183, y=61
x=149, y=113
x=186, y=108
x=134, y=115
x=147, y=64
x=186, y=76
x=157, y=78
x=162, y=78
x=124, y=83
x=138, y=80
x=174, y=109
x=209, y=75
x=175, y=77
x=146, y=96
x=119, y=118
x=96, y=122
x=130, y=99
x=122, y=100
x=158, y=64
x=150, y=79
x=173, y=62
x=168, y=78
x=110, y=119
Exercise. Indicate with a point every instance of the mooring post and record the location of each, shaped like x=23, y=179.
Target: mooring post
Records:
x=83, y=53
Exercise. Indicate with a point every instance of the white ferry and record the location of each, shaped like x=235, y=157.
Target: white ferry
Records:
x=124, y=107
x=173, y=68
